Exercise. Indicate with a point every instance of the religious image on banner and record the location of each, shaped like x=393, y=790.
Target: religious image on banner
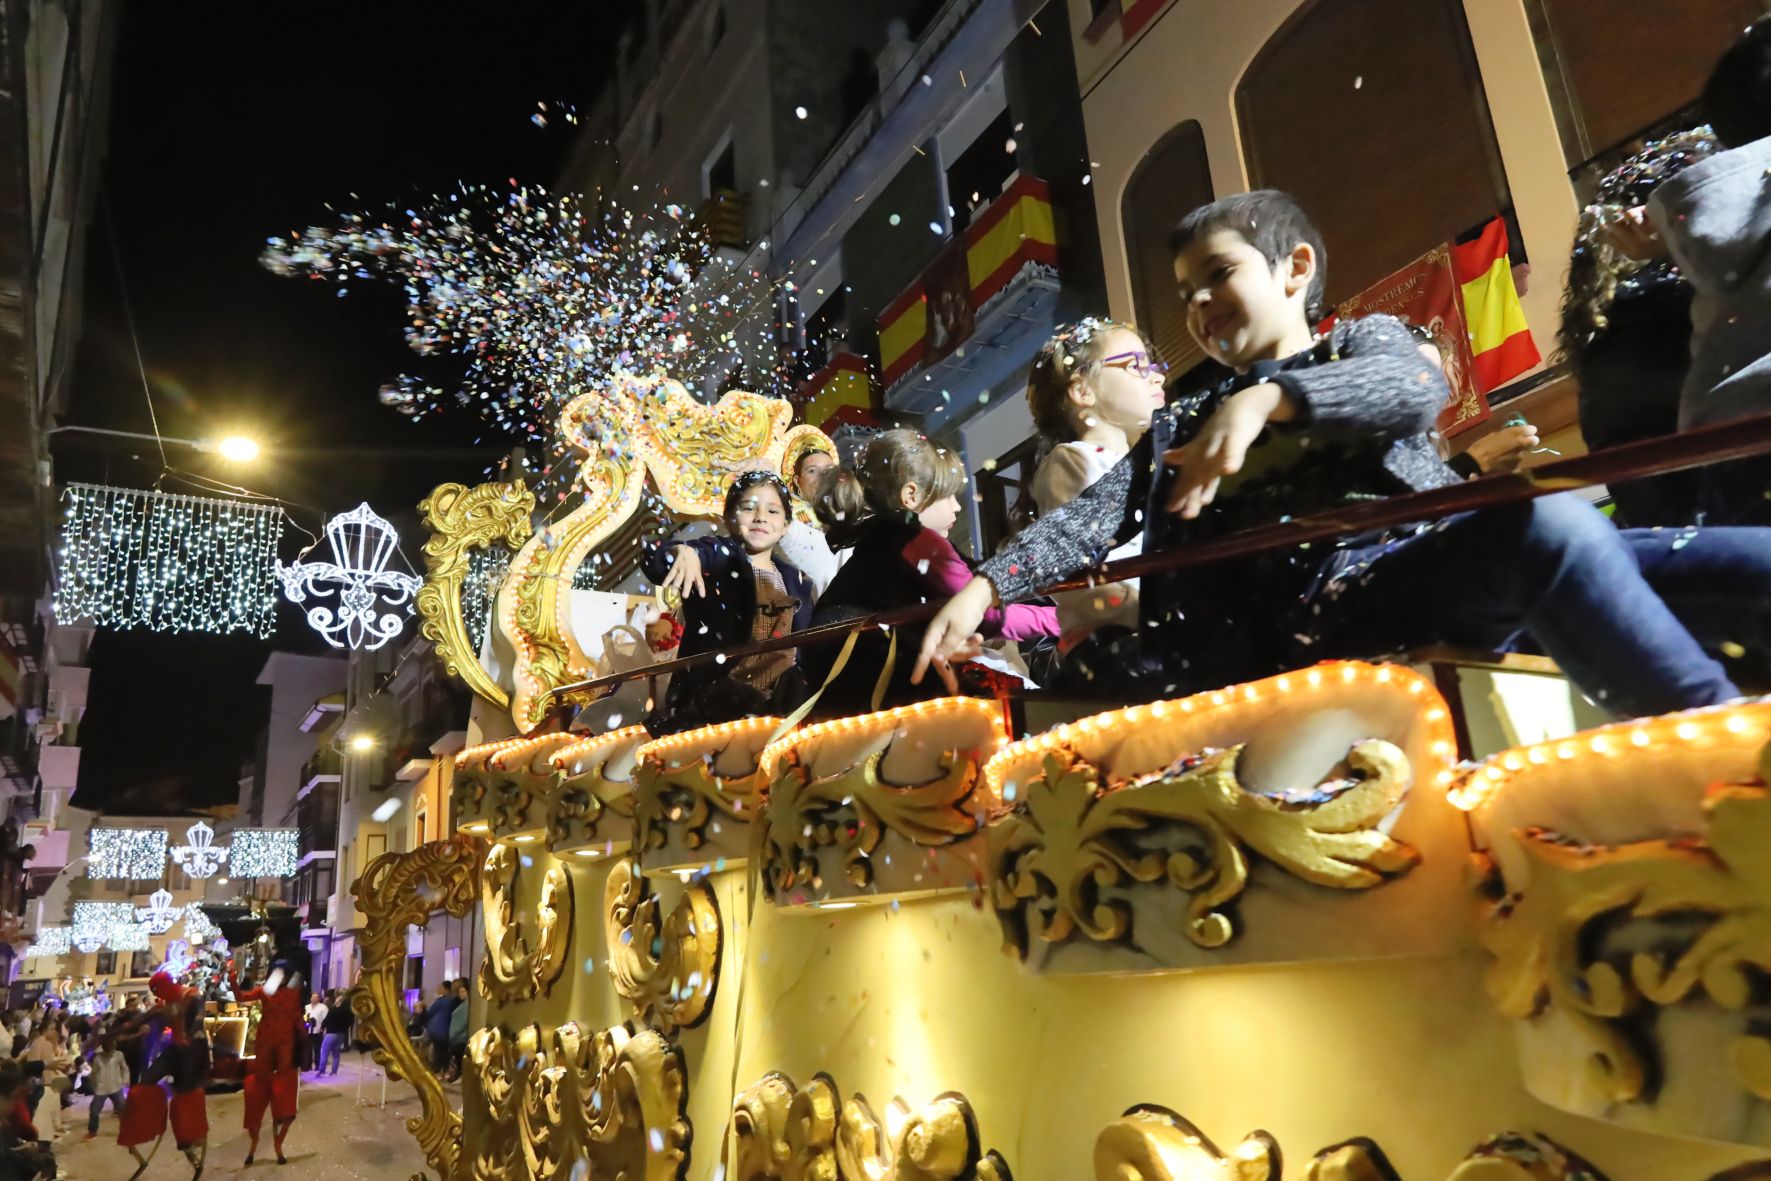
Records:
x=1425, y=294
x=948, y=283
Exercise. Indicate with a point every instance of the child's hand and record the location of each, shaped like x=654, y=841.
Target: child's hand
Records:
x=1504, y=450
x=1221, y=445
x=1634, y=235
x=685, y=573
x=952, y=634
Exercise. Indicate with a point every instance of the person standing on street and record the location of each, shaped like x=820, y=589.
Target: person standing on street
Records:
x=336, y=1033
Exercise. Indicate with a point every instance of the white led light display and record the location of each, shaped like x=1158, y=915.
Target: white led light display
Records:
x=197, y=927
x=101, y=924
x=199, y=856
x=265, y=852
x=373, y=601
x=51, y=941
x=138, y=854
x=159, y=914
x=175, y=563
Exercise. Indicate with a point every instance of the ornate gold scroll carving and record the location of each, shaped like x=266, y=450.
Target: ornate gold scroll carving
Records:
x=613, y=1100
x=670, y=988
x=1056, y=856
x=460, y=520
x=513, y=970
x=1604, y=935
x=850, y=811
x=583, y=799
x=686, y=798
x=398, y=890
x=781, y=1133
x=1155, y=1144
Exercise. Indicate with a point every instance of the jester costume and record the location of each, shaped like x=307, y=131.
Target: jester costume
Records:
x=272, y=1078
x=182, y=1060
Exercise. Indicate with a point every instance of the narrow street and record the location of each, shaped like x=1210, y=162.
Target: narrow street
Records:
x=333, y=1139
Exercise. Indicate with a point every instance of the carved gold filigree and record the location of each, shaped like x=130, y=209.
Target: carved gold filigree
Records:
x=1155, y=1144
x=670, y=988
x=397, y=891
x=585, y=796
x=612, y=1100
x=1055, y=858
x=851, y=810
x=1603, y=935
x=781, y=1133
x=461, y=520
x=513, y=969
x=686, y=798
x=623, y=432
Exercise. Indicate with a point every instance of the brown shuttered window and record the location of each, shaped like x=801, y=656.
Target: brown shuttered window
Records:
x=1371, y=114
x=1170, y=180
x=1619, y=67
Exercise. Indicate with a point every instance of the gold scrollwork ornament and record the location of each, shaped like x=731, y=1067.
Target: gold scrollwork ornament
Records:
x=667, y=969
x=687, y=798
x=1068, y=842
x=461, y=520
x=397, y=891
x=515, y=970
x=1700, y=914
x=782, y=1133
x=1151, y=1143
x=613, y=1100
x=850, y=811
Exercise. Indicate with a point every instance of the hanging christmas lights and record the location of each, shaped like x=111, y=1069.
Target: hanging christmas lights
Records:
x=136, y=854
x=265, y=852
x=130, y=936
x=373, y=601
x=197, y=927
x=159, y=914
x=51, y=941
x=199, y=856
x=486, y=569
x=132, y=558
x=100, y=924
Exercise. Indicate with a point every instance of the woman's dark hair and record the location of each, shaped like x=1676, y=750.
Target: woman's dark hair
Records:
x=748, y=480
x=1737, y=98
x=1270, y=221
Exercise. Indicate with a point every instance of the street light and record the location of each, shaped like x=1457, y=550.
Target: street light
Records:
x=237, y=449
x=233, y=448
x=363, y=743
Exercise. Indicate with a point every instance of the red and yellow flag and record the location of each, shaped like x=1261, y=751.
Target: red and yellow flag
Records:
x=1500, y=340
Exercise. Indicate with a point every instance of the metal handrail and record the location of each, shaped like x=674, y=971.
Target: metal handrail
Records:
x=1741, y=439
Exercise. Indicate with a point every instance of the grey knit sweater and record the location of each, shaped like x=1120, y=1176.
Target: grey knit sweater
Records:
x=1364, y=393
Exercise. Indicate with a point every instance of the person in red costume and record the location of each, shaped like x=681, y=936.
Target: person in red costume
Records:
x=184, y=1061
x=272, y=1077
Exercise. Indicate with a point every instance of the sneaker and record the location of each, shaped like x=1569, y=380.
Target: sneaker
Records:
x=90, y=1136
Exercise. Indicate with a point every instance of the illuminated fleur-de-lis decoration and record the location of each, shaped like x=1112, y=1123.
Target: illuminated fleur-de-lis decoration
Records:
x=159, y=914
x=89, y=941
x=199, y=856
x=373, y=601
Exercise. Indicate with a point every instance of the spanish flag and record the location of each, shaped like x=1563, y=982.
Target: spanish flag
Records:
x=1499, y=337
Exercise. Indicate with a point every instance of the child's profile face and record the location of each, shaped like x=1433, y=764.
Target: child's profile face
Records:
x=1123, y=389
x=940, y=516
x=1240, y=307
x=760, y=519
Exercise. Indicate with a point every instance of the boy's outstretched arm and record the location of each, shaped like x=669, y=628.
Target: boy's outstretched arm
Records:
x=1063, y=543
x=1377, y=387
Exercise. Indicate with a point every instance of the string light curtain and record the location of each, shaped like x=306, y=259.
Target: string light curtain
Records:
x=135, y=854
x=132, y=558
x=265, y=852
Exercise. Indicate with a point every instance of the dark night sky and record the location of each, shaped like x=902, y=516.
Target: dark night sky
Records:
x=230, y=123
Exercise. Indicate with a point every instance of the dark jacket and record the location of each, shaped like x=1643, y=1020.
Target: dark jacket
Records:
x=436, y=1018
x=1367, y=402
x=722, y=618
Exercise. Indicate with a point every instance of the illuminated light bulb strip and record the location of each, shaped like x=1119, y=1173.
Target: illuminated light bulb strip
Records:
x=1746, y=725
x=987, y=711
x=1328, y=677
x=474, y=757
x=531, y=752
x=106, y=924
x=714, y=739
x=571, y=759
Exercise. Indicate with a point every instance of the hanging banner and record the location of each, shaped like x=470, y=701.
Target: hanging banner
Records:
x=1425, y=294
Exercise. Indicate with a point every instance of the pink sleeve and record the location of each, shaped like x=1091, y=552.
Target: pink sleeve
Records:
x=945, y=573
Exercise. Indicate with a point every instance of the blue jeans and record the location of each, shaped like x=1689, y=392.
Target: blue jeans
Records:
x=98, y=1105
x=331, y=1046
x=1627, y=614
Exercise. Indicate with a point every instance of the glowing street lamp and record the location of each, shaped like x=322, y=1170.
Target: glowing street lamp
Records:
x=237, y=449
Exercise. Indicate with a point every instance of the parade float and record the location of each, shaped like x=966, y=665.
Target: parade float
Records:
x=1350, y=922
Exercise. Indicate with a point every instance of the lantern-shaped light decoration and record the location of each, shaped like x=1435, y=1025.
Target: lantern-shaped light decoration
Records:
x=199, y=856
x=373, y=601
x=159, y=914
